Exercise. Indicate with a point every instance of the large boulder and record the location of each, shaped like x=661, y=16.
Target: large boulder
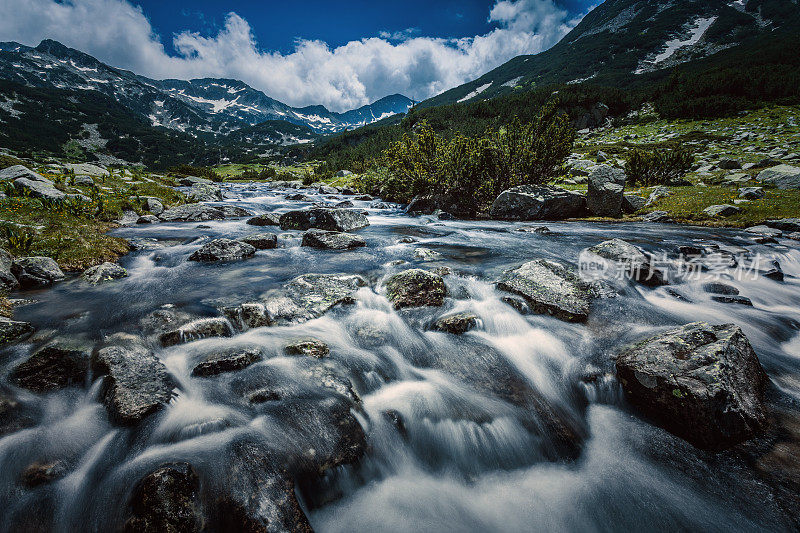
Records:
x=192, y=213
x=538, y=202
x=456, y=324
x=625, y=260
x=722, y=210
x=310, y=296
x=167, y=499
x=38, y=189
x=223, y=250
x=20, y=171
x=56, y=365
x=261, y=241
x=327, y=219
x=267, y=219
x=789, y=225
x=86, y=169
x=8, y=282
x=205, y=193
x=104, y=272
x=550, y=288
x=154, y=205
x=604, y=196
x=234, y=211
x=136, y=382
x=36, y=272
x=701, y=382
x=332, y=240
x=751, y=193
x=191, y=181
x=631, y=203
x=13, y=330
x=782, y=176
x=416, y=288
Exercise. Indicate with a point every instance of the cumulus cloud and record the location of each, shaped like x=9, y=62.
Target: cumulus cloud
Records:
x=340, y=78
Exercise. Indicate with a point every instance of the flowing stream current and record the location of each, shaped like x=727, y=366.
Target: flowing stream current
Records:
x=452, y=442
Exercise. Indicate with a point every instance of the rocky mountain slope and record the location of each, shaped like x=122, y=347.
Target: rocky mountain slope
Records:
x=622, y=40
x=216, y=106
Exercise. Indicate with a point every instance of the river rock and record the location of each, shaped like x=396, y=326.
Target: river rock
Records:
x=789, y=225
x=36, y=272
x=550, y=288
x=765, y=231
x=191, y=181
x=8, y=282
x=724, y=210
x=632, y=203
x=104, y=272
x=629, y=261
x=223, y=250
x=166, y=499
x=41, y=473
x=227, y=361
x=192, y=213
x=309, y=348
x=234, y=211
x=136, y=382
x=59, y=364
x=332, y=240
x=657, y=217
x=249, y=315
x=782, y=176
x=456, y=324
x=205, y=193
x=38, y=189
x=604, y=194
x=538, y=202
x=701, y=382
x=311, y=295
x=267, y=219
x=154, y=206
x=148, y=219
x=416, y=288
x=327, y=219
x=195, y=330
x=261, y=241
x=12, y=331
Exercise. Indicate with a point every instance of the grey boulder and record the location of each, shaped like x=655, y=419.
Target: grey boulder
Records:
x=327, y=219
x=538, y=202
x=104, y=272
x=416, y=288
x=36, y=272
x=38, y=189
x=192, y=213
x=332, y=240
x=723, y=210
x=628, y=261
x=701, y=382
x=604, y=195
x=782, y=176
x=261, y=241
x=223, y=250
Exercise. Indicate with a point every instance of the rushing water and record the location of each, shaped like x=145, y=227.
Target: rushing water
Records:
x=467, y=458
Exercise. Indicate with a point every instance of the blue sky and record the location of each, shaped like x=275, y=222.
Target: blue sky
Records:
x=338, y=54
x=278, y=24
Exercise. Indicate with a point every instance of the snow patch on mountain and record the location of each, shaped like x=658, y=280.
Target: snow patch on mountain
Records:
x=476, y=92
x=697, y=29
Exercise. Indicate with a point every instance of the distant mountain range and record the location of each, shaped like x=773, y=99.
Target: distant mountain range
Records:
x=200, y=106
x=622, y=40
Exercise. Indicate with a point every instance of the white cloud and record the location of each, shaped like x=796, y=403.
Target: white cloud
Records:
x=340, y=78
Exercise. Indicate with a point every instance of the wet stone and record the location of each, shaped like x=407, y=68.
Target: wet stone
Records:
x=309, y=348
x=54, y=366
x=228, y=361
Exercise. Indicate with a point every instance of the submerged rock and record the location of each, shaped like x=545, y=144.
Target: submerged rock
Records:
x=12, y=331
x=456, y=324
x=550, y=288
x=167, y=499
x=267, y=219
x=538, y=202
x=36, y=272
x=416, y=288
x=629, y=261
x=327, y=219
x=227, y=361
x=332, y=240
x=195, y=330
x=261, y=241
x=309, y=348
x=192, y=213
x=234, y=211
x=104, y=272
x=136, y=382
x=249, y=315
x=59, y=364
x=223, y=250
x=701, y=382
x=41, y=473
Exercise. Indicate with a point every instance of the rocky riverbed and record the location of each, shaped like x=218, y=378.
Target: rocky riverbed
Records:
x=268, y=361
